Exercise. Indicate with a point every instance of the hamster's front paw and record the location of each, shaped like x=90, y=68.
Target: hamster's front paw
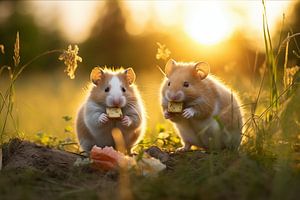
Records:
x=167, y=115
x=126, y=121
x=186, y=147
x=188, y=113
x=171, y=116
x=103, y=118
x=181, y=149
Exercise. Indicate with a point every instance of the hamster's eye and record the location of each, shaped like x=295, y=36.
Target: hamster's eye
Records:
x=123, y=89
x=186, y=84
x=107, y=89
x=169, y=83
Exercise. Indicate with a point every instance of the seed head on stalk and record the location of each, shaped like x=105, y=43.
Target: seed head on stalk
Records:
x=70, y=58
x=16, y=56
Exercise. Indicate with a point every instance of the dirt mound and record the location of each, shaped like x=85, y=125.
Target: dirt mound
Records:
x=34, y=171
x=18, y=154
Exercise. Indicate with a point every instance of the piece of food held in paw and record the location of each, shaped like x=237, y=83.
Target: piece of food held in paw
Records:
x=175, y=107
x=114, y=113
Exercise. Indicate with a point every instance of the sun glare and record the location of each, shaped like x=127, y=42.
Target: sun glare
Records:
x=74, y=19
x=208, y=23
x=79, y=16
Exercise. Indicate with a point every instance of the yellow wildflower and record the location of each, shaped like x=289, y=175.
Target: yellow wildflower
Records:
x=290, y=72
x=45, y=140
x=163, y=135
x=162, y=52
x=70, y=57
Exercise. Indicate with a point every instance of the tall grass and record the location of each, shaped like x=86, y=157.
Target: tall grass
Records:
x=267, y=130
x=14, y=71
x=270, y=63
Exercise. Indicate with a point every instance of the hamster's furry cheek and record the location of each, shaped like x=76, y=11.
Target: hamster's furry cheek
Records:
x=164, y=101
x=123, y=101
x=97, y=94
x=109, y=100
x=192, y=93
x=166, y=95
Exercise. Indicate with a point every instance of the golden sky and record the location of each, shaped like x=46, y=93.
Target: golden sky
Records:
x=207, y=22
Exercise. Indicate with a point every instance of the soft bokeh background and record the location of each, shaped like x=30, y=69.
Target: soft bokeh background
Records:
x=226, y=34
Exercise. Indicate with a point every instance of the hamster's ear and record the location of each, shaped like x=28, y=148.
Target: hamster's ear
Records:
x=130, y=75
x=169, y=67
x=96, y=75
x=202, y=69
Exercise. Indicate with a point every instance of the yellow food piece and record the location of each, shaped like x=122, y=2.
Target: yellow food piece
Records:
x=175, y=107
x=114, y=112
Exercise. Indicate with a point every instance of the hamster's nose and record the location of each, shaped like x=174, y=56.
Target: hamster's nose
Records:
x=116, y=102
x=175, y=96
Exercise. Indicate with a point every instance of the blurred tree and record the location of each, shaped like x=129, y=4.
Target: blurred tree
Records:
x=108, y=37
x=111, y=45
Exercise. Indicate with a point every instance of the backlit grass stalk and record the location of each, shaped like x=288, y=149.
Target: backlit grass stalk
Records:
x=285, y=76
x=124, y=179
x=271, y=64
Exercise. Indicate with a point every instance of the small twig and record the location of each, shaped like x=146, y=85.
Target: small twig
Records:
x=62, y=184
x=285, y=41
x=162, y=71
x=68, y=143
x=279, y=96
x=72, y=192
x=35, y=58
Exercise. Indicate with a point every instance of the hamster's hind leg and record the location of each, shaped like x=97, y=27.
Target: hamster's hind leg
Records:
x=87, y=144
x=187, y=135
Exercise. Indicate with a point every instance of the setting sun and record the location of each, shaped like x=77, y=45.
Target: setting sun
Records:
x=208, y=23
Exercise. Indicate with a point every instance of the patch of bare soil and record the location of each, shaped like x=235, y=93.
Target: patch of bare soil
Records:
x=37, y=170
x=18, y=154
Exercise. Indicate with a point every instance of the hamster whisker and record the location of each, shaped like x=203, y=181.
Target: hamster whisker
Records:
x=132, y=106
